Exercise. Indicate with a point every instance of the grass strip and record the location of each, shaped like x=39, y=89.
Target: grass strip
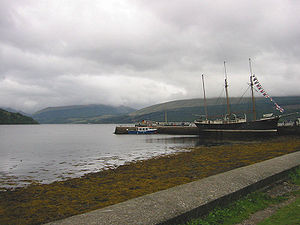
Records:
x=38, y=204
x=241, y=209
x=237, y=211
x=289, y=214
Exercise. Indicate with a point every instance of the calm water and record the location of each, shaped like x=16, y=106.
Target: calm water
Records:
x=45, y=153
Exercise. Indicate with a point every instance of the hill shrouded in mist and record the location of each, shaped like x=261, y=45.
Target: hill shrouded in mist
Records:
x=79, y=113
x=181, y=110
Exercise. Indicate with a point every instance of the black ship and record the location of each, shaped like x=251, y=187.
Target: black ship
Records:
x=239, y=125
x=231, y=123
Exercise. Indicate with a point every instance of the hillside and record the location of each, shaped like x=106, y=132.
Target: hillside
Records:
x=78, y=113
x=15, y=118
x=16, y=111
x=191, y=109
x=181, y=110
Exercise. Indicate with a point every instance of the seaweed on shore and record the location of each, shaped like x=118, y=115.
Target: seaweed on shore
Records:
x=41, y=203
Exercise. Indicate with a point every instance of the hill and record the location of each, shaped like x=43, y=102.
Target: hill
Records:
x=190, y=109
x=16, y=111
x=15, y=118
x=79, y=113
x=181, y=110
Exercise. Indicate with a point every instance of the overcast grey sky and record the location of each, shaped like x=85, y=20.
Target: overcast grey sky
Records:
x=138, y=53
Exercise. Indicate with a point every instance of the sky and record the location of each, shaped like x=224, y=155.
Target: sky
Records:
x=138, y=53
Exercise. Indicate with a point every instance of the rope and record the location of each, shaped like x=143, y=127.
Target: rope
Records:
x=243, y=95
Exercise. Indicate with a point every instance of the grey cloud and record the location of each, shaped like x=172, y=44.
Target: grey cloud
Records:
x=49, y=50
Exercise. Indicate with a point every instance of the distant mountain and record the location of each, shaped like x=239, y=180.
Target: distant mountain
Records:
x=15, y=118
x=79, y=113
x=190, y=109
x=181, y=110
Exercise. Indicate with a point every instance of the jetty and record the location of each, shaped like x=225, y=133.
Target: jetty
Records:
x=193, y=130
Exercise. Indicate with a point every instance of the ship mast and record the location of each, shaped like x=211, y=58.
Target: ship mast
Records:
x=252, y=93
x=204, y=96
x=226, y=90
x=166, y=120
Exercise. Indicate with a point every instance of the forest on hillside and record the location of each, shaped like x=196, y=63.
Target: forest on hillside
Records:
x=15, y=118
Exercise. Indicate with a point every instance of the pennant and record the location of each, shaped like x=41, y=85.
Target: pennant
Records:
x=264, y=93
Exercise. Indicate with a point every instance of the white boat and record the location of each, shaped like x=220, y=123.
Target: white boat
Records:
x=143, y=130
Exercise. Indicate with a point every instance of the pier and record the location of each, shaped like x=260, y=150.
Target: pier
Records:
x=192, y=130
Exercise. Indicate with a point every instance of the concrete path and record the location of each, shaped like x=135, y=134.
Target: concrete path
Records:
x=174, y=205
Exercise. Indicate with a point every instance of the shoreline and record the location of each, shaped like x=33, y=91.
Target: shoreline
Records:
x=38, y=204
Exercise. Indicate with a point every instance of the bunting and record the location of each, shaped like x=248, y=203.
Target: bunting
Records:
x=264, y=93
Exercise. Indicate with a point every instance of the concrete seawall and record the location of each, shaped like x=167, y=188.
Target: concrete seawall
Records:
x=174, y=205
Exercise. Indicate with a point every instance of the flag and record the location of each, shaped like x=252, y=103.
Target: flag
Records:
x=264, y=93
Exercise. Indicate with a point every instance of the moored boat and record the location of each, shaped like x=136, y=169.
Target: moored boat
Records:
x=231, y=123
x=239, y=125
x=142, y=130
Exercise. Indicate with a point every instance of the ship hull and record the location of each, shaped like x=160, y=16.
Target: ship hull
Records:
x=263, y=125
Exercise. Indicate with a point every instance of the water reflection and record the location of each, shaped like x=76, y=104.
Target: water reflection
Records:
x=208, y=140
x=46, y=153
x=189, y=140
